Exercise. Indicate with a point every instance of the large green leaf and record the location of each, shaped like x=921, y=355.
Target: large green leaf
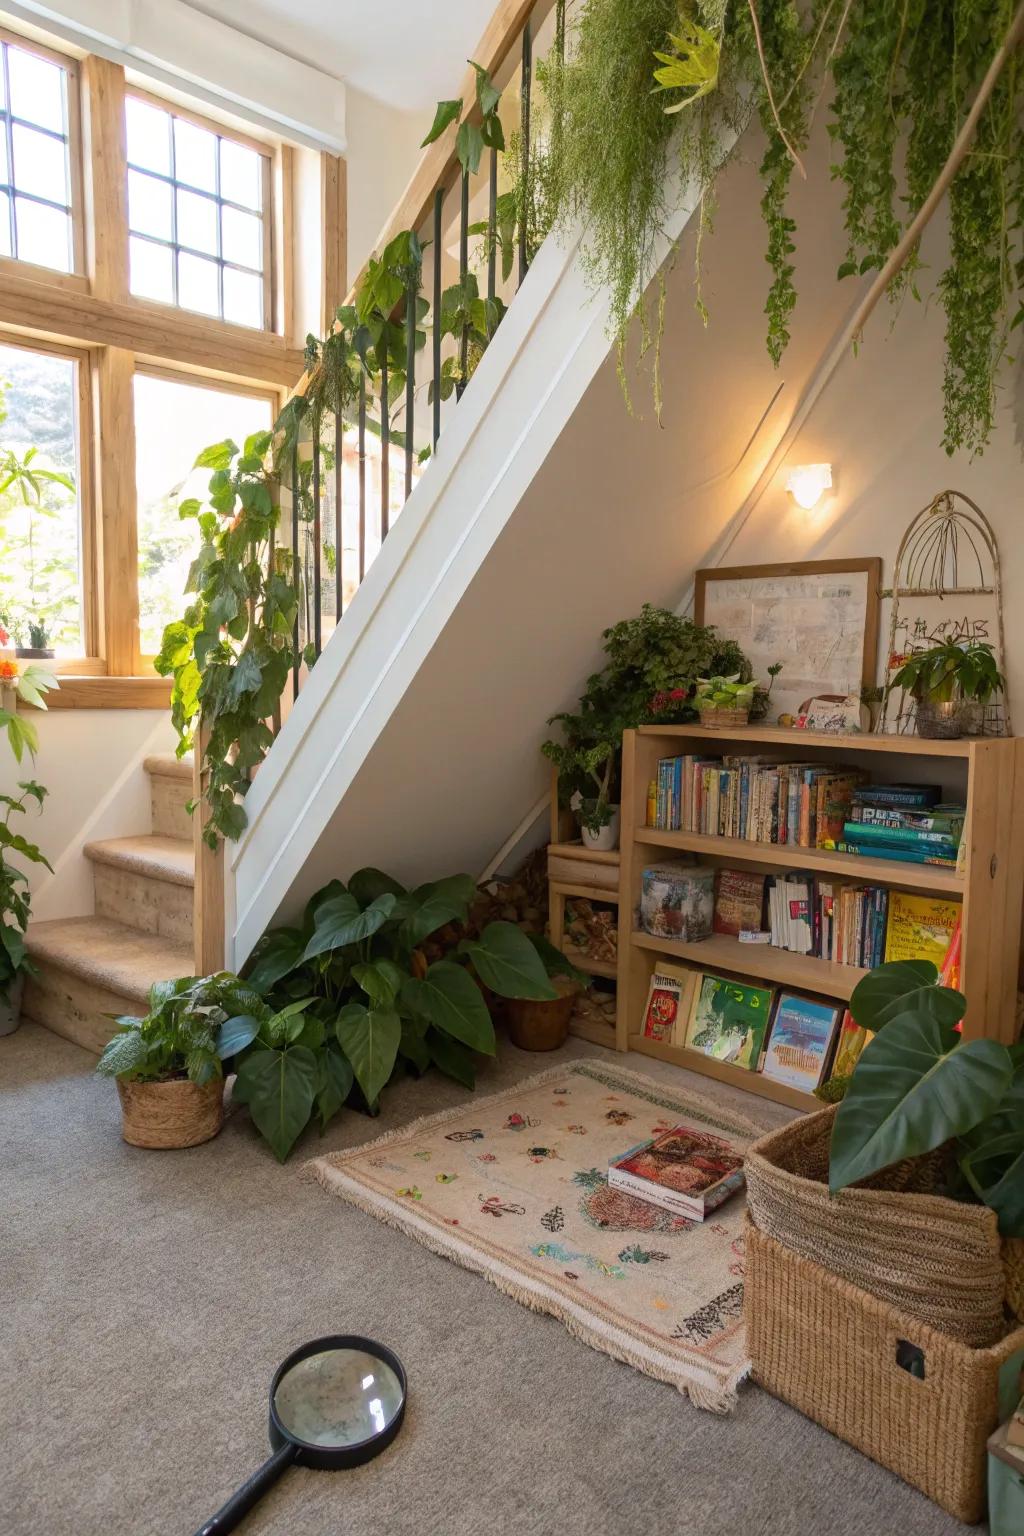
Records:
x=370, y=1039
x=381, y=980
x=124, y=1053
x=340, y=921
x=904, y=986
x=279, y=1088
x=450, y=998
x=507, y=962
x=280, y=952
x=452, y=1058
x=995, y=1171
x=334, y=1083
x=447, y=112
x=367, y=884
x=910, y=1093
x=413, y=1045
x=429, y=907
x=235, y=1034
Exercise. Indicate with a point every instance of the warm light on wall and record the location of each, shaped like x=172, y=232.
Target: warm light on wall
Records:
x=807, y=482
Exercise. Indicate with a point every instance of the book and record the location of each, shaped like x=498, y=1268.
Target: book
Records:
x=903, y=796
x=945, y=817
x=669, y=1003
x=677, y=900
x=739, y=901
x=903, y=855
x=800, y=1041
x=868, y=833
x=853, y=1037
x=920, y=927
x=729, y=1021
x=687, y=1171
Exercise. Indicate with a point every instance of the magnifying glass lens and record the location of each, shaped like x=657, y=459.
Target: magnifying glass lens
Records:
x=337, y=1398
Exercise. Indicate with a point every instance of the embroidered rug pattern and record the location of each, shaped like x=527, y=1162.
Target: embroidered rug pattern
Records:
x=514, y=1187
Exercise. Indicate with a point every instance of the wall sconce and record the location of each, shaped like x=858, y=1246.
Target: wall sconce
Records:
x=808, y=482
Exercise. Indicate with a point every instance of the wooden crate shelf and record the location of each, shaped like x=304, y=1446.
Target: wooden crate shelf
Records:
x=606, y=968
x=808, y=973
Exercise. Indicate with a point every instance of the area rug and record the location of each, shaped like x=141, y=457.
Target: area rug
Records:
x=515, y=1187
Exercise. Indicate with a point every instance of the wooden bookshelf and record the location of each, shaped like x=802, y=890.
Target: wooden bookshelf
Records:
x=595, y=878
x=988, y=773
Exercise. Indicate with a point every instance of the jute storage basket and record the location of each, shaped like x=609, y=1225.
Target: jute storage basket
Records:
x=834, y=1352
x=934, y=1259
x=177, y=1113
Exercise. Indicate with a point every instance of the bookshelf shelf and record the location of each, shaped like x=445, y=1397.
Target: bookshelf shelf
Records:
x=737, y=850
x=724, y=1072
x=807, y=973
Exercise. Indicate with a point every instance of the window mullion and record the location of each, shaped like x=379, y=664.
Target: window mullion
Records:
x=9, y=135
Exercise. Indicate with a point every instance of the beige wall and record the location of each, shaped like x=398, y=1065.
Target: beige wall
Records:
x=383, y=148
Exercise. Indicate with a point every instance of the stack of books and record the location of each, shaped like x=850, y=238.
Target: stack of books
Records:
x=903, y=821
x=686, y=1171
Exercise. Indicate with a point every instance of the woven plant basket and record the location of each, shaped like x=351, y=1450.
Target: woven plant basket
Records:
x=723, y=719
x=1013, y=1266
x=171, y=1114
x=841, y=1356
x=934, y=1259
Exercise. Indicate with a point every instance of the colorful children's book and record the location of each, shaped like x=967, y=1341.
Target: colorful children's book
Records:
x=853, y=1037
x=907, y=797
x=739, y=901
x=730, y=1021
x=669, y=1003
x=687, y=1171
x=920, y=927
x=677, y=900
x=800, y=1041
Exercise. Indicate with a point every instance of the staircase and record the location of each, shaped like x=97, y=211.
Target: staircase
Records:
x=141, y=931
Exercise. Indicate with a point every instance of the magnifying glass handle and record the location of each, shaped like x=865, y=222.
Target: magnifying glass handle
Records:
x=241, y=1502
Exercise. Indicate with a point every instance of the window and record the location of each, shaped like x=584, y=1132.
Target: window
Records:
x=174, y=419
x=40, y=523
x=197, y=216
x=35, y=160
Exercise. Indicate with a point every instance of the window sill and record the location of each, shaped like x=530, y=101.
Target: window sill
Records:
x=111, y=693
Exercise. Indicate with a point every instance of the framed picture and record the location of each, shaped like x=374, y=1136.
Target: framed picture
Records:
x=819, y=618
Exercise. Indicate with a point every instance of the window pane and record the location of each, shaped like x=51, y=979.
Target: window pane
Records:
x=197, y=284
x=241, y=174
x=4, y=176
x=37, y=89
x=5, y=225
x=44, y=234
x=40, y=164
x=40, y=565
x=173, y=421
x=243, y=297
x=197, y=222
x=152, y=270
x=242, y=234
x=195, y=156
x=149, y=136
x=149, y=206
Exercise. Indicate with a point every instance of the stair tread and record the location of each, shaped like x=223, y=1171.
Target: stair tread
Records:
x=165, y=765
x=163, y=858
x=108, y=953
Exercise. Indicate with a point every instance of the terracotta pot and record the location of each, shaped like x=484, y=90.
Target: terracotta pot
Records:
x=542, y=1026
x=176, y=1113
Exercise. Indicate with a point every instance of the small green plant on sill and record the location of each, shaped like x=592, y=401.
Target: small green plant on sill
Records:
x=15, y=901
x=919, y=1085
x=950, y=671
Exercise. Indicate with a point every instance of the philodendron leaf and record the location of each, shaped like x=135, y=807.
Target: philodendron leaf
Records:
x=381, y=980
x=235, y=1034
x=334, y=1083
x=452, y=1058
x=507, y=962
x=904, y=986
x=340, y=922
x=450, y=998
x=994, y=1168
x=370, y=1039
x=910, y=1093
x=279, y=1087
x=430, y=906
x=413, y=1045
x=280, y=952
x=367, y=884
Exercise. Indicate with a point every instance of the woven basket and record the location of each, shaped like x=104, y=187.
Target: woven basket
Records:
x=835, y=1353
x=1013, y=1267
x=934, y=1259
x=172, y=1114
x=723, y=719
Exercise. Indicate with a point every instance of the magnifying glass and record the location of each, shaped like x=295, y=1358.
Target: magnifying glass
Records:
x=335, y=1402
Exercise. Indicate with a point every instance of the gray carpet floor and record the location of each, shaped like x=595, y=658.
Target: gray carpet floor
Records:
x=146, y=1297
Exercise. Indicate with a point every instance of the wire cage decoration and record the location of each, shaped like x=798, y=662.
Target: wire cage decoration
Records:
x=948, y=552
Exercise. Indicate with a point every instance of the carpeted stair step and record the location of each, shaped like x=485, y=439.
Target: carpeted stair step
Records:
x=170, y=780
x=145, y=883
x=90, y=967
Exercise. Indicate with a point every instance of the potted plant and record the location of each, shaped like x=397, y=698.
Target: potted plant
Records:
x=542, y=1024
x=598, y=818
x=724, y=701
x=945, y=681
x=15, y=903
x=38, y=631
x=168, y=1066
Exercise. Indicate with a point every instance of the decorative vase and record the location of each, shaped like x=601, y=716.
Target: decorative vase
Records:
x=940, y=720
x=175, y=1113
x=606, y=838
x=10, y=1010
x=542, y=1026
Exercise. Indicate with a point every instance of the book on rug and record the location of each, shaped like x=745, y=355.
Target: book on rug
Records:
x=686, y=1171
x=800, y=1041
x=669, y=1003
x=730, y=1021
x=739, y=901
x=920, y=927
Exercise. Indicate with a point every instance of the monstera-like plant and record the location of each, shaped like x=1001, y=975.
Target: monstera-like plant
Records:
x=919, y=1085
x=375, y=978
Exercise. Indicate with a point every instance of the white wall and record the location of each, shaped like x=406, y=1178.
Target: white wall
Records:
x=90, y=760
x=383, y=151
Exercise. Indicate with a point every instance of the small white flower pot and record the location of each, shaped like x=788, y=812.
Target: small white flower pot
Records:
x=605, y=841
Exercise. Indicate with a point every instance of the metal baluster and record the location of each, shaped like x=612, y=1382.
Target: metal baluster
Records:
x=339, y=436
x=436, y=321
x=296, y=573
x=412, y=294
x=362, y=477
x=492, y=226
x=385, y=452
x=463, y=269
x=525, y=132
x=317, y=540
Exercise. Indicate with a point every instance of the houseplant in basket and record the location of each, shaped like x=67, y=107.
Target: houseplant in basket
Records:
x=724, y=701
x=949, y=683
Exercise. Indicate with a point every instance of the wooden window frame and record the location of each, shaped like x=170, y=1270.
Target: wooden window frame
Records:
x=76, y=278
x=268, y=213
